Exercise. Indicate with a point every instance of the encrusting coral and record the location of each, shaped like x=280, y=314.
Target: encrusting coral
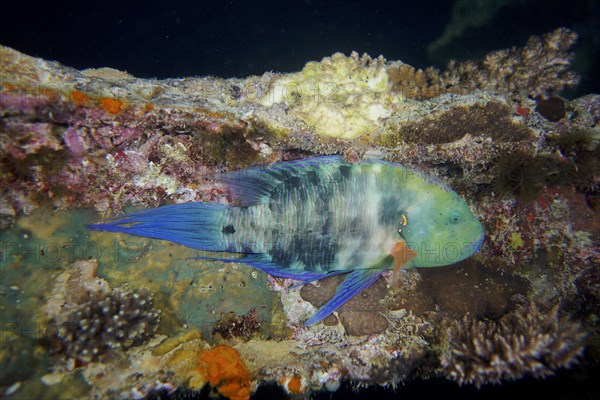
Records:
x=528, y=341
x=103, y=140
x=493, y=119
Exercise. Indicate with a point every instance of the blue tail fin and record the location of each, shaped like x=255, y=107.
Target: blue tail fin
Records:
x=196, y=225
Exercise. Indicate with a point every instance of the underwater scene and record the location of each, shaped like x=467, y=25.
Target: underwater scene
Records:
x=346, y=225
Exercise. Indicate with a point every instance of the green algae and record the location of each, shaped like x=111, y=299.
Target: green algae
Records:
x=219, y=289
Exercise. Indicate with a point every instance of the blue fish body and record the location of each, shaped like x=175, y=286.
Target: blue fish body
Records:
x=310, y=218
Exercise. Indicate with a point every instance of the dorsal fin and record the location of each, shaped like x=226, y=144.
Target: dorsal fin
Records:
x=254, y=185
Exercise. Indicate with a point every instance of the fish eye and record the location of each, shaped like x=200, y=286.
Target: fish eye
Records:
x=455, y=218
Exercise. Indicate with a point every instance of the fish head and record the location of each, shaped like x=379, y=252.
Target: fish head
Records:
x=439, y=226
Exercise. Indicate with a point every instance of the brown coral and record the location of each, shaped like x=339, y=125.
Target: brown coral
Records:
x=466, y=287
x=492, y=119
x=106, y=322
x=359, y=315
x=529, y=341
x=415, y=83
x=541, y=67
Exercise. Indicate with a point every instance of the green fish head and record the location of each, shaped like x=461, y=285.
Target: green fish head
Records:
x=439, y=226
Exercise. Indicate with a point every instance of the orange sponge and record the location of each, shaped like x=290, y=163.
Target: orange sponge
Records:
x=223, y=369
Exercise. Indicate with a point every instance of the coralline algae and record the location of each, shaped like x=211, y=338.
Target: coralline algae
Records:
x=105, y=140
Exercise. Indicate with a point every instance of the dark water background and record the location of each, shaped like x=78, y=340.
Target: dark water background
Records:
x=164, y=39
x=158, y=38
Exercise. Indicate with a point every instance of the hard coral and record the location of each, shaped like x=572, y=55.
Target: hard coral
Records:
x=539, y=68
x=519, y=175
x=225, y=371
x=529, y=341
x=106, y=322
x=414, y=83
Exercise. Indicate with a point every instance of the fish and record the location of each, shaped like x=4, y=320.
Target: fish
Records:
x=316, y=217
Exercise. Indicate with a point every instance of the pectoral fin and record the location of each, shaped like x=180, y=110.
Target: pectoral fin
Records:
x=354, y=283
x=402, y=256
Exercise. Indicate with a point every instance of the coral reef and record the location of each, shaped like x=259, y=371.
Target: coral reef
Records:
x=529, y=341
x=541, y=67
x=496, y=130
x=88, y=320
x=492, y=119
x=146, y=142
x=320, y=94
x=107, y=322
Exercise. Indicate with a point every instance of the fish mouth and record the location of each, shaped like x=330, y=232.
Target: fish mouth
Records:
x=477, y=245
x=471, y=248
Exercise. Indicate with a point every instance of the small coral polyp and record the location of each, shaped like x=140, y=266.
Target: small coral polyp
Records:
x=107, y=322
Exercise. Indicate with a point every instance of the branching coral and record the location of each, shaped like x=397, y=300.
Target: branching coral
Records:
x=541, y=67
x=529, y=341
x=106, y=322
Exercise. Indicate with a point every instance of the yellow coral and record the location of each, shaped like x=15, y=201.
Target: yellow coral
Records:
x=340, y=96
x=516, y=241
